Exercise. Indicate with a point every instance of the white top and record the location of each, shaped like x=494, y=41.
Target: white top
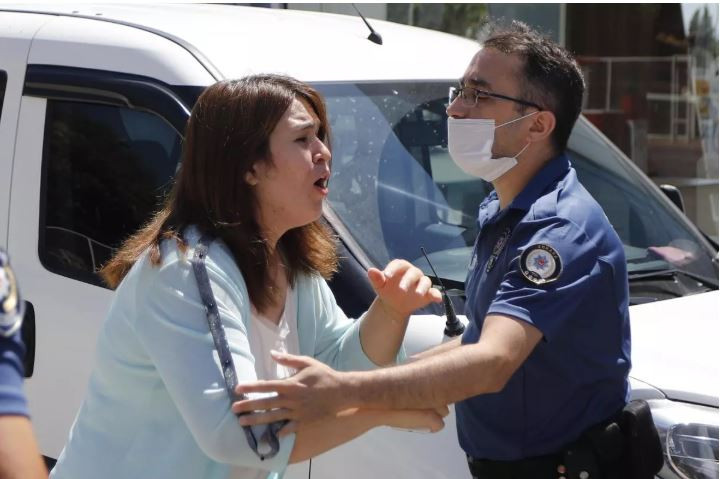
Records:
x=265, y=336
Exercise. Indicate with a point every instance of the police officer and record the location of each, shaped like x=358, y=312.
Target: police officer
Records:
x=546, y=354
x=19, y=456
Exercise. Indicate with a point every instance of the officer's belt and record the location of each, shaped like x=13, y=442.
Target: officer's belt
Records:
x=539, y=467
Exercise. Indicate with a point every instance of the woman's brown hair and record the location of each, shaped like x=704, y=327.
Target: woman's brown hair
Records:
x=227, y=133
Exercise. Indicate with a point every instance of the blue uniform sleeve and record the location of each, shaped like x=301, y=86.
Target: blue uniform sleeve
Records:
x=12, y=400
x=553, y=266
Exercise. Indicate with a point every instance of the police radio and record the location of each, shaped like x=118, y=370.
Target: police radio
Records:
x=453, y=326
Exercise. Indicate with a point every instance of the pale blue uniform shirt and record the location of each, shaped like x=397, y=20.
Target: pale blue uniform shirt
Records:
x=553, y=231
x=156, y=406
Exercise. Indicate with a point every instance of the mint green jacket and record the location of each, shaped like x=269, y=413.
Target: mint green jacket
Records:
x=156, y=405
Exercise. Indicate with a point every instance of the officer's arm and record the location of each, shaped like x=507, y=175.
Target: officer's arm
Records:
x=316, y=437
x=430, y=382
x=19, y=456
x=454, y=375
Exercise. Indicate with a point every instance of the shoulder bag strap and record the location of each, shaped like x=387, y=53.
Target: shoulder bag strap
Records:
x=269, y=438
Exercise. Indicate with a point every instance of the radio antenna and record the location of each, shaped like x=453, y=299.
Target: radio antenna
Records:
x=453, y=326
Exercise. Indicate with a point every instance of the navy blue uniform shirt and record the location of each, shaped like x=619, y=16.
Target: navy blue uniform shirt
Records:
x=12, y=350
x=552, y=259
x=12, y=400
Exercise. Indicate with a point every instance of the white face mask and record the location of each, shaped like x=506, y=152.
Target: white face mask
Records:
x=470, y=144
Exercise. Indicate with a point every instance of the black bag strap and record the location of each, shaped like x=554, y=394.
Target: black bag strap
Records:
x=269, y=437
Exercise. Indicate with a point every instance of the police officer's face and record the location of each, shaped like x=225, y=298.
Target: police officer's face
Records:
x=495, y=72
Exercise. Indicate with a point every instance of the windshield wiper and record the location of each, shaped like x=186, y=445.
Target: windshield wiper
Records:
x=671, y=274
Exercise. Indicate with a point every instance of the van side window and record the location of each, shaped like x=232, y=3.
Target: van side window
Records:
x=3, y=82
x=106, y=169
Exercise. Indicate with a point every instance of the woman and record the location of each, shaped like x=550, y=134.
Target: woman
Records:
x=254, y=176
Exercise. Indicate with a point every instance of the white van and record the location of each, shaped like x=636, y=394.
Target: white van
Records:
x=93, y=102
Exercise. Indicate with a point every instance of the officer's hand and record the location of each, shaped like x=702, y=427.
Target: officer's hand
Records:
x=402, y=288
x=313, y=393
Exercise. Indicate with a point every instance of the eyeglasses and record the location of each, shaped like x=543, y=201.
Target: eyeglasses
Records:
x=470, y=96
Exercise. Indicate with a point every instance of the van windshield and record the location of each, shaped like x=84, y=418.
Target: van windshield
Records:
x=395, y=188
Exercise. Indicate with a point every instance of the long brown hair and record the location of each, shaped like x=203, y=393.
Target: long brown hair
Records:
x=227, y=133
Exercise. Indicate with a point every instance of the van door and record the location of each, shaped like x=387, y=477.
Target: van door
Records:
x=89, y=170
x=96, y=154
x=16, y=32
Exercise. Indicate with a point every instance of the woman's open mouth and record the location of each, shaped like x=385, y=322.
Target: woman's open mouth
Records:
x=322, y=184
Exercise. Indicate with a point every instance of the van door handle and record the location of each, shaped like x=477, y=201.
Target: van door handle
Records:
x=27, y=332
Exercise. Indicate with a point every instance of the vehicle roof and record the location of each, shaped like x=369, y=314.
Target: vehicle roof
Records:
x=234, y=41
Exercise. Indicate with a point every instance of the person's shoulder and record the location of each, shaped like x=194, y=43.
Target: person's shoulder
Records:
x=578, y=206
x=313, y=291
x=570, y=206
x=549, y=224
x=310, y=282
x=177, y=253
x=175, y=266
x=173, y=281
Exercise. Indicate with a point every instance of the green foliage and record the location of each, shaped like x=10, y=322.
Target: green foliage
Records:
x=462, y=19
x=702, y=31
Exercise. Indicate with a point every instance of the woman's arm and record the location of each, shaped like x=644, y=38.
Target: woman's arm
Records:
x=171, y=324
x=401, y=289
x=317, y=437
x=376, y=338
x=381, y=333
x=439, y=349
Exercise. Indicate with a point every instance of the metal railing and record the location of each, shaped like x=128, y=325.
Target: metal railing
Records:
x=90, y=242
x=681, y=101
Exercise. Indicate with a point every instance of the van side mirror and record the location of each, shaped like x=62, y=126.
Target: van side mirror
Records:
x=674, y=195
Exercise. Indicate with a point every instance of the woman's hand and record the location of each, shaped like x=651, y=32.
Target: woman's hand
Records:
x=430, y=420
x=402, y=288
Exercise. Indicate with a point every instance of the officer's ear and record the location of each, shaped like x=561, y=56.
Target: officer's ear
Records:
x=542, y=126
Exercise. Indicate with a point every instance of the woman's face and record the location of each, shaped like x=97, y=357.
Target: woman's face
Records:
x=291, y=188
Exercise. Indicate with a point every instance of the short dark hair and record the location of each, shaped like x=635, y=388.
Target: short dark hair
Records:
x=551, y=77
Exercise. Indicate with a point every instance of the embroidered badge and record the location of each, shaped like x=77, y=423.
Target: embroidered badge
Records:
x=473, y=260
x=541, y=264
x=497, y=249
x=10, y=304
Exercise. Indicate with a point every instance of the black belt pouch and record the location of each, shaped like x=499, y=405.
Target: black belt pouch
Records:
x=643, y=450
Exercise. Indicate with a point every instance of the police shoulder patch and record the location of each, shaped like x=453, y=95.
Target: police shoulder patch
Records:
x=540, y=264
x=11, y=308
